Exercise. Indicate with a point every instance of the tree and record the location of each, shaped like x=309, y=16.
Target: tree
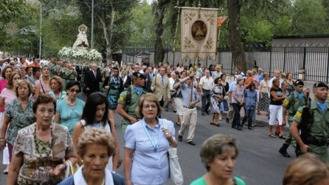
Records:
x=111, y=17
x=238, y=55
x=309, y=17
x=10, y=9
x=159, y=13
x=60, y=28
x=17, y=28
x=141, y=26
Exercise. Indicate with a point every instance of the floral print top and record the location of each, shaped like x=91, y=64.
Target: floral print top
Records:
x=19, y=118
x=40, y=157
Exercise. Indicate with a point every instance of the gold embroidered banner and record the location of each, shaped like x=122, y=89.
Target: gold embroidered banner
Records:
x=198, y=33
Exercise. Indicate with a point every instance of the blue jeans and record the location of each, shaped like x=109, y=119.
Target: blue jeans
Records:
x=249, y=116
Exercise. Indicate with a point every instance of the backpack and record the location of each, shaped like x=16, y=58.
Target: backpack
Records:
x=128, y=96
x=305, y=126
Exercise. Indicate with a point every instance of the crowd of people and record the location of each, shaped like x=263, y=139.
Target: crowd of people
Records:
x=58, y=121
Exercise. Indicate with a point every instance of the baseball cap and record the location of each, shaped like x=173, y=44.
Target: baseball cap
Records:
x=320, y=84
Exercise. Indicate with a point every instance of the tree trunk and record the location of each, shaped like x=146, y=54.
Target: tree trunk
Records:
x=106, y=38
x=109, y=47
x=238, y=55
x=108, y=34
x=159, y=15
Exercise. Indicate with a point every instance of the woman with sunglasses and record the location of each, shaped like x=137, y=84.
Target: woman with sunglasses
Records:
x=69, y=109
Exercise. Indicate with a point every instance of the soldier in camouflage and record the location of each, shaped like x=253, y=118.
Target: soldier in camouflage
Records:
x=315, y=119
x=291, y=104
x=129, y=99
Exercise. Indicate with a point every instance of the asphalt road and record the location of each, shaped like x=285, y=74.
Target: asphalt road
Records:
x=259, y=162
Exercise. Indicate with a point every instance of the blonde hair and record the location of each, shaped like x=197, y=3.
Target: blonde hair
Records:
x=148, y=97
x=95, y=136
x=59, y=80
x=22, y=82
x=306, y=170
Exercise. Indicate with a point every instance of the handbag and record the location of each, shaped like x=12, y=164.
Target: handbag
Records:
x=175, y=169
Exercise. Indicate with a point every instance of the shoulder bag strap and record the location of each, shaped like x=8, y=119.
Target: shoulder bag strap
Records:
x=41, y=82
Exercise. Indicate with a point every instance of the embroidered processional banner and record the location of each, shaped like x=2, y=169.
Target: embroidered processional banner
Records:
x=198, y=33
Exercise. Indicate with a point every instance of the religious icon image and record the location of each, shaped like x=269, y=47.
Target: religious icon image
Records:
x=199, y=30
x=82, y=40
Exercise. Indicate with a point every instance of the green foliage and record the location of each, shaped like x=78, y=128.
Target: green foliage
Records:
x=120, y=30
x=134, y=22
x=256, y=31
x=18, y=33
x=141, y=25
x=11, y=9
x=60, y=29
x=309, y=17
x=282, y=26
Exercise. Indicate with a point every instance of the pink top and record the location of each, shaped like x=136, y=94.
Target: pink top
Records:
x=9, y=96
x=44, y=87
x=3, y=84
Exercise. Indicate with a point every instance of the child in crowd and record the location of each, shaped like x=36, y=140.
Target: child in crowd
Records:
x=250, y=97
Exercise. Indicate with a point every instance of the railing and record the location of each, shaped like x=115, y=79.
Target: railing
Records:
x=313, y=60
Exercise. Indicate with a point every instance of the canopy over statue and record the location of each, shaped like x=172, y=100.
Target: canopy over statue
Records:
x=82, y=40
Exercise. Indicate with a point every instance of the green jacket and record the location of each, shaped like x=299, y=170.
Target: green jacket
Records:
x=319, y=129
x=292, y=103
x=131, y=107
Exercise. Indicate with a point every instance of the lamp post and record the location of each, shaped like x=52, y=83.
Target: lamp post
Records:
x=40, y=31
x=92, y=25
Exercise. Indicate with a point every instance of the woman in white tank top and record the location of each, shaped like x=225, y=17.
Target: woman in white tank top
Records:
x=95, y=115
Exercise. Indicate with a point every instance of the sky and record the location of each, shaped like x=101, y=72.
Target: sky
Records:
x=150, y=1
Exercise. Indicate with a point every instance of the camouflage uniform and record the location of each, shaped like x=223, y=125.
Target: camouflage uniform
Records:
x=130, y=108
x=292, y=103
x=319, y=130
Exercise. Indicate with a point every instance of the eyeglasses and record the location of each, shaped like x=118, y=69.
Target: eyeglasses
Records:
x=74, y=90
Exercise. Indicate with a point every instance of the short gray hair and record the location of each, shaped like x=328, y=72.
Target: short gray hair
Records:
x=95, y=136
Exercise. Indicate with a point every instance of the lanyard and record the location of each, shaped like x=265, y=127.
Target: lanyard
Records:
x=154, y=142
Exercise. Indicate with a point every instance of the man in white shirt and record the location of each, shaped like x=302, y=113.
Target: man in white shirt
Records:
x=206, y=85
x=276, y=74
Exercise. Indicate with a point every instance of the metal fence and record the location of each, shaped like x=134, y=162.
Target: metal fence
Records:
x=313, y=60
